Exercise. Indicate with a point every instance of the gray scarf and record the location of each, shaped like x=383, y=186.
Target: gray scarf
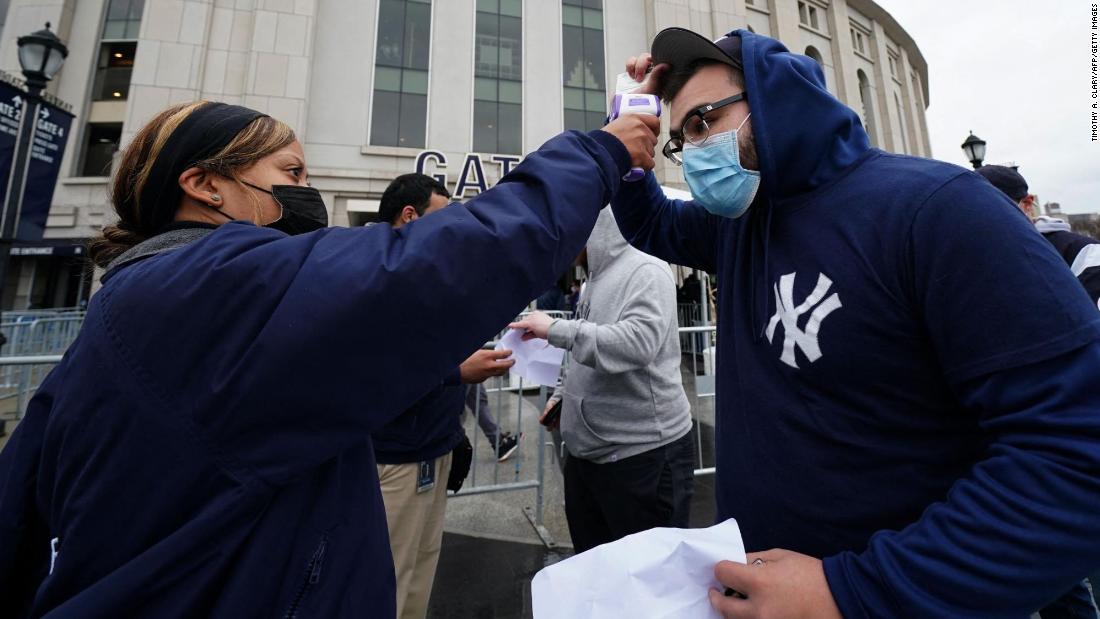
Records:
x=160, y=243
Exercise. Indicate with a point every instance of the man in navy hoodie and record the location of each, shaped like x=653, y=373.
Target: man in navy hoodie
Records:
x=892, y=408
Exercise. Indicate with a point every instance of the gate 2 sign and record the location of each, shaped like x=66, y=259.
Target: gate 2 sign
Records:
x=472, y=177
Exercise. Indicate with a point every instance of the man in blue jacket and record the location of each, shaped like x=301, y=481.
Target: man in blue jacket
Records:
x=893, y=410
x=414, y=450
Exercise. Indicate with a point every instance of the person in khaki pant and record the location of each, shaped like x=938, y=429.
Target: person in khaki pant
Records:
x=414, y=450
x=414, y=516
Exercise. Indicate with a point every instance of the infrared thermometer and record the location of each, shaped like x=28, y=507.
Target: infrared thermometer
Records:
x=626, y=103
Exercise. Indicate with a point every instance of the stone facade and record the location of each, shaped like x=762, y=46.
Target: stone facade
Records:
x=311, y=63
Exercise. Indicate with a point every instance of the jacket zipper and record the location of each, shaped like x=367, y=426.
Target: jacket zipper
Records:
x=313, y=575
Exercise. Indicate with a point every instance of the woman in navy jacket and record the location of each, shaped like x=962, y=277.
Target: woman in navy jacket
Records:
x=203, y=448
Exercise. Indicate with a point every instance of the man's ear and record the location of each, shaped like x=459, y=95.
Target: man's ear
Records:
x=198, y=184
x=408, y=214
x=1027, y=205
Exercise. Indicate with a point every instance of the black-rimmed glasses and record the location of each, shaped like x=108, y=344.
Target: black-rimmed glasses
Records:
x=695, y=128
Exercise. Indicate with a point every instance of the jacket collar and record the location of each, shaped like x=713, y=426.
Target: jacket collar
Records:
x=172, y=238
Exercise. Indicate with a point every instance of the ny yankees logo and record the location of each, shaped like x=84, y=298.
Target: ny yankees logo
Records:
x=788, y=314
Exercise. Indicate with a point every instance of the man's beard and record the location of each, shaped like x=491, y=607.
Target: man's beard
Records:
x=746, y=152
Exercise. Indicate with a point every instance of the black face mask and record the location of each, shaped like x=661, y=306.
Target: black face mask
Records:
x=303, y=209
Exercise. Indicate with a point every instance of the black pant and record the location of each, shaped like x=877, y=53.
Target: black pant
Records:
x=605, y=502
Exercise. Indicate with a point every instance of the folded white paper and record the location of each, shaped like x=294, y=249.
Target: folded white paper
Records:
x=659, y=573
x=536, y=360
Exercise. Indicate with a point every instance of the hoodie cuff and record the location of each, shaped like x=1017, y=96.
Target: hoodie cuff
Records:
x=562, y=333
x=454, y=377
x=615, y=148
x=856, y=587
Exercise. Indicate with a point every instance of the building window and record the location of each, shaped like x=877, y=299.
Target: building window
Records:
x=914, y=80
x=812, y=52
x=112, y=76
x=123, y=19
x=807, y=15
x=858, y=41
x=498, y=75
x=902, y=124
x=400, y=103
x=100, y=143
x=114, y=64
x=867, y=107
x=893, y=64
x=750, y=2
x=921, y=130
x=585, y=94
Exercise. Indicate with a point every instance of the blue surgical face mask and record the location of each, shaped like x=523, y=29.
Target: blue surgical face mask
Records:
x=714, y=174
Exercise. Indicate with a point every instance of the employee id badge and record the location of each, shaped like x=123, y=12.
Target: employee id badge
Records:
x=425, y=478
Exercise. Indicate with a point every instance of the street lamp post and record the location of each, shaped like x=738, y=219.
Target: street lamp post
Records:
x=974, y=147
x=41, y=55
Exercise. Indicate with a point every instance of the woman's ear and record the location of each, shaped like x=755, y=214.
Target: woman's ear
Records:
x=198, y=185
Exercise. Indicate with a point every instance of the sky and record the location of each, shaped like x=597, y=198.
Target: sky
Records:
x=1018, y=74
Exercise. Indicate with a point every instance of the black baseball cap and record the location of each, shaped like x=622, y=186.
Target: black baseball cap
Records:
x=680, y=47
x=1006, y=179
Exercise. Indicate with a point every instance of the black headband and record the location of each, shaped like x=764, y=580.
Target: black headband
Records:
x=206, y=131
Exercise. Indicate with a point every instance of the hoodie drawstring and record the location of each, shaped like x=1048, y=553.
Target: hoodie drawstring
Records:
x=755, y=287
x=767, y=273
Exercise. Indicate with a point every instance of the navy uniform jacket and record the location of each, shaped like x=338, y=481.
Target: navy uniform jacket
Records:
x=890, y=395
x=430, y=428
x=203, y=449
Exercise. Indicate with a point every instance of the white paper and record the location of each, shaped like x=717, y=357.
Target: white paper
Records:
x=625, y=84
x=659, y=573
x=536, y=360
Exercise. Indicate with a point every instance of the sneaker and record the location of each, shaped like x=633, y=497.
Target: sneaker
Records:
x=507, y=446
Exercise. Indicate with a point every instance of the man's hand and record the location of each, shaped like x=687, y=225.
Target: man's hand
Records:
x=550, y=424
x=638, y=133
x=485, y=364
x=777, y=584
x=636, y=67
x=535, y=324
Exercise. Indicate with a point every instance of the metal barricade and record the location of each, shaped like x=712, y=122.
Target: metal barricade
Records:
x=53, y=312
x=42, y=335
x=509, y=401
x=693, y=315
x=23, y=374
x=48, y=334
x=700, y=367
x=509, y=396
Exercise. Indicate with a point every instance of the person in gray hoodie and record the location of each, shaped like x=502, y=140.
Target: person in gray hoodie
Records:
x=625, y=419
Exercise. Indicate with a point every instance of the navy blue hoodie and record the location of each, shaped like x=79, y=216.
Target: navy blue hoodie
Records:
x=203, y=449
x=891, y=395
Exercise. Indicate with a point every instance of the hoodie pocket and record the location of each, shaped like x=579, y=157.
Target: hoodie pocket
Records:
x=582, y=417
x=611, y=423
x=311, y=577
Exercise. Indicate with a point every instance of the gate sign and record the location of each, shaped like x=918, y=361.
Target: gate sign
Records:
x=472, y=177
x=50, y=136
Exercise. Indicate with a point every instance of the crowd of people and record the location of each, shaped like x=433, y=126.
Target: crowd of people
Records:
x=262, y=413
